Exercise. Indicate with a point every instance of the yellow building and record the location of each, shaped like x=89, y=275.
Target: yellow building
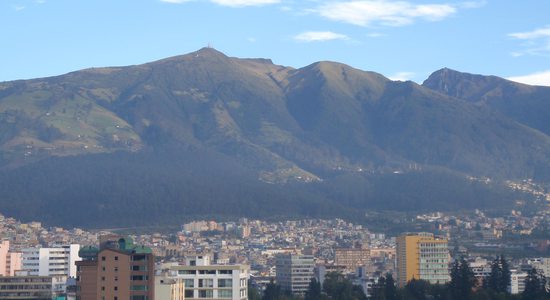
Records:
x=422, y=256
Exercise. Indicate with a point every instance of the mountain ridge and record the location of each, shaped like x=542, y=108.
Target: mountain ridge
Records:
x=280, y=126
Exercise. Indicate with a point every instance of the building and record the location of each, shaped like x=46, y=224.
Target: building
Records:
x=119, y=270
x=55, y=261
x=169, y=288
x=26, y=287
x=294, y=272
x=352, y=258
x=321, y=271
x=517, y=282
x=481, y=269
x=422, y=256
x=203, y=280
x=9, y=261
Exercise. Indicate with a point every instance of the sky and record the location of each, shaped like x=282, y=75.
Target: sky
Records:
x=403, y=40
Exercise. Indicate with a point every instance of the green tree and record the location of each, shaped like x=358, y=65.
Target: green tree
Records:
x=253, y=293
x=499, y=278
x=337, y=287
x=272, y=291
x=314, y=290
x=389, y=288
x=417, y=289
x=505, y=275
x=378, y=289
x=462, y=280
x=534, y=286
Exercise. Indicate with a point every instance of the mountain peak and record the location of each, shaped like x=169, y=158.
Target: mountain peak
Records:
x=209, y=51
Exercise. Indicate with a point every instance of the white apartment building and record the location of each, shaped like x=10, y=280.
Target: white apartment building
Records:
x=205, y=281
x=517, y=282
x=294, y=272
x=169, y=288
x=51, y=261
x=57, y=262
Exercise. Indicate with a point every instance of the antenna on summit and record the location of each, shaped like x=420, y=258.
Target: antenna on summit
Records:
x=210, y=46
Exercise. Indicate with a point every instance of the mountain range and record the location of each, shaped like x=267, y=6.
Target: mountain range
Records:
x=204, y=134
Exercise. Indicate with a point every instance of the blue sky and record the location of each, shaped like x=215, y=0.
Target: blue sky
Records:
x=400, y=39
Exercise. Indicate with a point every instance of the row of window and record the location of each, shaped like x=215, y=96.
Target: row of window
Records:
x=132, y=288
x=205, y=272
x=223, y=294
x=222, y=283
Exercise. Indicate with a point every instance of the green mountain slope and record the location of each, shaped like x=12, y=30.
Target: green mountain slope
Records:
x=529, y=105
x=205, y=127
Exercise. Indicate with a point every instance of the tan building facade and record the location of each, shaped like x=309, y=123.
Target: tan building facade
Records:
x=422, y=256
x=120, y=271
x=352, y=258
x=169, y=288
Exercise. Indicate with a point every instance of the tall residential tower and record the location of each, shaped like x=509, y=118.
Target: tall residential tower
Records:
x=422, y=256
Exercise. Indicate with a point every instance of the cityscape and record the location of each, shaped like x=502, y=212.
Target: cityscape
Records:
x=230, y=260
x=275, y=150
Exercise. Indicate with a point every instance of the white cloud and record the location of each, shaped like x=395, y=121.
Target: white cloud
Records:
x=535, y=42
x=402, y=76
x=539, y=78
x=319, y=36
x=531, y=35
x=384, y=12
x=243, y=3
x=18, y=7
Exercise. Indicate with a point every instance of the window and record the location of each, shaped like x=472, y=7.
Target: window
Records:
x=206, y=282
x=116, y=278
x=138, y=288
x=102, y=288
x=102, y=278
x=139, y=257
x=116, y=288
x=225, y=283
x=189, y=283
x=189, y=294
x=225, y=294
x=206, y=294
x=139, y=268
x=187, y=272
x=116, y=257
x=225, y=271
x=103, y=258
x=116, y=269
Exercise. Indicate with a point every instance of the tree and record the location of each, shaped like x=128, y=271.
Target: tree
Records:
x=389, y=288
x=462, y=280
x=417, y=289
x=272, y=291
x=378, y=289
x=505, y=275
x=337, y=287
x=314, y=290
x=534, y=286
x=253, y=293
x=499, y=278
